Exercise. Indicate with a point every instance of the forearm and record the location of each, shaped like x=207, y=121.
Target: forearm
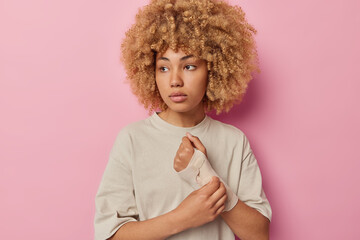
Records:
x=246, y=222
x=157, y=228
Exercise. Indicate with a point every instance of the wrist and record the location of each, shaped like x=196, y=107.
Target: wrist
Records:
x=178, y=221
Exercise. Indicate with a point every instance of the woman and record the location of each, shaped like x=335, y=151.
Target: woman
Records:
x=180, y=174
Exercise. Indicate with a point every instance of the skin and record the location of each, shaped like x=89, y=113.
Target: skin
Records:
x=245, y=222
x=185, y=74
x=177, y=72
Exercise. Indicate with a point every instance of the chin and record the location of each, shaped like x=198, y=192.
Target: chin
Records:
x=182, y=108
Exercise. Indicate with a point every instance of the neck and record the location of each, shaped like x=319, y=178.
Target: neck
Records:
x=182, y=119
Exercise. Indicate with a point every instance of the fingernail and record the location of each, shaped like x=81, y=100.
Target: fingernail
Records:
x=189, y=134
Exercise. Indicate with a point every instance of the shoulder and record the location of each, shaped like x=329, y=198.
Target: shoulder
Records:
x=126, y=135
x=127, y=138
x=228, y=136
x=226, y=130
x=133, y=128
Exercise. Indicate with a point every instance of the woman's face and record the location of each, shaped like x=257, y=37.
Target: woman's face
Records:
x=181, y=80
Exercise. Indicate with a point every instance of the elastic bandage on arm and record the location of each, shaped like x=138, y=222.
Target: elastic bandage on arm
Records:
x=199, y=172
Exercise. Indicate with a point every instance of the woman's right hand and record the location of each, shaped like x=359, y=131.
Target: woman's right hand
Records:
x=203, y=205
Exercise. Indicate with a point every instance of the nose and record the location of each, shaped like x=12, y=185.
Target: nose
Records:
x=176, y=79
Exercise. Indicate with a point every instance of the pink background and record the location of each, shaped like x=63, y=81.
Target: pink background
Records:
x=63, y=99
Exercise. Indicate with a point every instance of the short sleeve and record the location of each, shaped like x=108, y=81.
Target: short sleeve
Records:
x=115, y=200
x=250, y=189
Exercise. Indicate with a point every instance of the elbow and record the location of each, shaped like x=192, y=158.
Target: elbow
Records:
x=264, y=232
x=261, y=232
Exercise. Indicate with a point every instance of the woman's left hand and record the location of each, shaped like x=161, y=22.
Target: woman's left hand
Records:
x=186, y=151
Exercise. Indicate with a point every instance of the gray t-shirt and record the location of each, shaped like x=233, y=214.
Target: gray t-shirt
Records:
x=140, y=183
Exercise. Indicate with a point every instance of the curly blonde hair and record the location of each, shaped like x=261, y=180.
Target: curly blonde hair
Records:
x=208, y=29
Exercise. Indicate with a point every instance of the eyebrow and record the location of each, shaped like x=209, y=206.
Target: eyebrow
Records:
x=181, y=59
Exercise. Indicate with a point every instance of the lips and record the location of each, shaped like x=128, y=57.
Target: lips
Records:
x=178, y=97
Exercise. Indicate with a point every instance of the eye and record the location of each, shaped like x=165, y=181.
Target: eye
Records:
x=190, y=67
x=163, y=69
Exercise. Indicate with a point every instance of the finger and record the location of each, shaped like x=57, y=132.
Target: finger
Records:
x=220, y=210
x=211, y=187
x=221, y=202
x=218, y=194
x=186, y=149
x=197, y=143
x=186, y=142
